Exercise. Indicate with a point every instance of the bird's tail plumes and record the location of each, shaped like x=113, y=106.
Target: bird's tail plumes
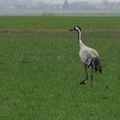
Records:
x=96, y=65
x=99, y=69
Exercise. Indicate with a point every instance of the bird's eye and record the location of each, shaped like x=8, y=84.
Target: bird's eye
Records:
x=74, y=28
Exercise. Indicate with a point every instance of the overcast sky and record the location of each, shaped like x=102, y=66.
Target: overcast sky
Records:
x=61, y=1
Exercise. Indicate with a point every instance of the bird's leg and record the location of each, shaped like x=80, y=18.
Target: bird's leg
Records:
x=86, y=78
x=91, y=76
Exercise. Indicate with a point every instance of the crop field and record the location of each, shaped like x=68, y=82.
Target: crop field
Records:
x=40, y=69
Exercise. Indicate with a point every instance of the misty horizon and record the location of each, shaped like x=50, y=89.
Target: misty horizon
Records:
x=63, y=7
x=62, y=1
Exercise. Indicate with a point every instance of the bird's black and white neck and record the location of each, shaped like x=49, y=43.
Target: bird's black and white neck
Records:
x=78, y=29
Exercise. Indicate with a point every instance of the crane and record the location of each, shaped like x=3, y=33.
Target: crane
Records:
x=89, y=57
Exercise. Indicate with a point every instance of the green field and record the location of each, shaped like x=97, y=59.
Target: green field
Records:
x=40, y=69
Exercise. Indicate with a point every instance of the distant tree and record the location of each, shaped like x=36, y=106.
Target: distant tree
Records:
x=66, y=5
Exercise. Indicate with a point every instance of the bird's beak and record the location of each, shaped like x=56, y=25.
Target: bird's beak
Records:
x=71, y=30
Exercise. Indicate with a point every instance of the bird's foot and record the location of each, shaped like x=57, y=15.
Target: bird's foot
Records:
x=82, y=82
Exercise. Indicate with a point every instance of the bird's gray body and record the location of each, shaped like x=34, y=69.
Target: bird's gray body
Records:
x=90, y=57
x=86, y=52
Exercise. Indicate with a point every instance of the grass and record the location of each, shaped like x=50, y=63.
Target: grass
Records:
x=47, y=22
x=40, y=71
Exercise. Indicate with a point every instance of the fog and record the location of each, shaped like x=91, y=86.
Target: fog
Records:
x=61, y=1
x=59, y=7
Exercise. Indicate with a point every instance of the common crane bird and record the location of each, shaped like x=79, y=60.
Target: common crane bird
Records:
x=89, y=57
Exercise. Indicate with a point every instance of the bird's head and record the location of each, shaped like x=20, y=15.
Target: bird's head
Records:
x=76, y=28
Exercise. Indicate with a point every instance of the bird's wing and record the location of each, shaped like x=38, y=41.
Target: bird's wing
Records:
x=88, y=54
x=85, y=55
x=90, y=57
x=93, y=52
